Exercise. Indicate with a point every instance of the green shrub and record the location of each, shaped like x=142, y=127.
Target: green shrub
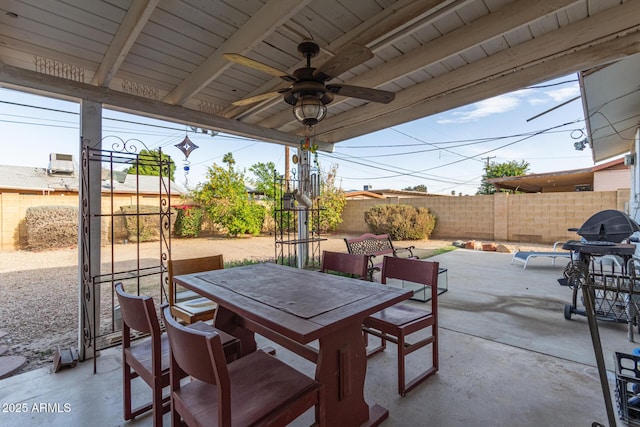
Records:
x=51, y=227
x=244, y=218
x=149, y=219
x=400, y=222
x=188, y=221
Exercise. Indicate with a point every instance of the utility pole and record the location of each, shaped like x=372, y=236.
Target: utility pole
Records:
x=286, y=163
x=488, y=159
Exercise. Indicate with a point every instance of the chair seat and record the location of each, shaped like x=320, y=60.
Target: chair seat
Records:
x=400, y=314
x=260, y=383
x=230, y=344
x=141, y=352
x=197, y=305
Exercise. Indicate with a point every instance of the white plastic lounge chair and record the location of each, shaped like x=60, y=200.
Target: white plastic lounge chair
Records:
x=525, y=256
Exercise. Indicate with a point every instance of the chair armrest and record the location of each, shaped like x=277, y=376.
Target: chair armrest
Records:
x=556, y=244
x=372, y=268
x=407, y=249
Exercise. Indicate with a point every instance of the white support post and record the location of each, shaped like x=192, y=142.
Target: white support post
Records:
x=304, y=166
x=91, y=133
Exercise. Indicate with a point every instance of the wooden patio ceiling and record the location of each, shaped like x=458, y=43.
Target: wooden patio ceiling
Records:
x=164, y=58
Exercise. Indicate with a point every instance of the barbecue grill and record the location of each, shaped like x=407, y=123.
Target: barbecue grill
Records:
x=608, y=230
x=610, y=291
x=609, y=226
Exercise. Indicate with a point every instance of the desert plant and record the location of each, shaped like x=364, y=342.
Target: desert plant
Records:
x=400, y=222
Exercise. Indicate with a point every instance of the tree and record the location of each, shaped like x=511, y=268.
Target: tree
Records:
x=264, y=183
x=264, y=179
x=229, y=160
x=420, y=187
x=148, y=163
x=500, y=170
x=226, y=201
x=332, y=200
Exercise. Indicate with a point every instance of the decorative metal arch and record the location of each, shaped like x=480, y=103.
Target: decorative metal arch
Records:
x=95, y=336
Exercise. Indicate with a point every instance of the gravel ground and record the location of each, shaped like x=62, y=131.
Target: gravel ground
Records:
x=39, y=290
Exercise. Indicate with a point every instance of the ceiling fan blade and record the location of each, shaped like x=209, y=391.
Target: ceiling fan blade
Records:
x=373, y=95
x=257, y=98
x=344, y=60
x=257, y=65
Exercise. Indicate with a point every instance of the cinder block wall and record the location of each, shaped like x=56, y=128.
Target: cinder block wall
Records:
x=13, y=207
x=531, y=218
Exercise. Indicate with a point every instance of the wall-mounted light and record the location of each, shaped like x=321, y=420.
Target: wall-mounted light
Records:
x=629, y=159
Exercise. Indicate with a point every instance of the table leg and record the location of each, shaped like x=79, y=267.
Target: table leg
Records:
x=341, y=369
x=231, y=323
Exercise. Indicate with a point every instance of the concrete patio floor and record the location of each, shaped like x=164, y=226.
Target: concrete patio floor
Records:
x=507, y=358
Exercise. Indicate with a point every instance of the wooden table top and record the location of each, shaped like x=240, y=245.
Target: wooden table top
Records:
x=299, y=304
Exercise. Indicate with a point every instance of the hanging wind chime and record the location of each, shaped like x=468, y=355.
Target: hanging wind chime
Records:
x=186, y=146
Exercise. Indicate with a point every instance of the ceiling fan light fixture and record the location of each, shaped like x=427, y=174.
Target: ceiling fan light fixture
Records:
x=309, y=110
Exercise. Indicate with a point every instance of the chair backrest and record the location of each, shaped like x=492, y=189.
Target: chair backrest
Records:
x=191, y=265
x=342, y=262
x=411, y=270
x=197, y=353
x=138, y=312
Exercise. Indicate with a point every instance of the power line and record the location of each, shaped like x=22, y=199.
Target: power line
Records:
x=397, y=171
x=460, y=141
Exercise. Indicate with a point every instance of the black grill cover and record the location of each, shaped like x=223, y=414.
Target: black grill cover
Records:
x=608, y=226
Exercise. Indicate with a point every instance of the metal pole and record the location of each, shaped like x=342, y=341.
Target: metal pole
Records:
x=303, y=212
x=587, y=294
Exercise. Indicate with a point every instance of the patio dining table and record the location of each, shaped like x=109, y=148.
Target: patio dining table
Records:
x=295, y=307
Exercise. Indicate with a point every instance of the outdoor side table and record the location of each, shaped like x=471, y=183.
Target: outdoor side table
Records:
x=421, y=292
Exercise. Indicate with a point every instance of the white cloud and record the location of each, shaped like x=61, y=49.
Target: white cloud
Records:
x=537, y=101
x=563, y=94
x=496, y=105
x=509, y=102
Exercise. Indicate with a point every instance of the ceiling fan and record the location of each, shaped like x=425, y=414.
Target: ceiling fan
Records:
x=308, y=93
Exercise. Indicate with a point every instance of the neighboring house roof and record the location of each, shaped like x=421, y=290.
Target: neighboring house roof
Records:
x=401, y=193
x=568, y=180
x=362, y=195
x=25, y=178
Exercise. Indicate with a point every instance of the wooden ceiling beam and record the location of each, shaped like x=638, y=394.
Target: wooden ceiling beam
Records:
x=27, y=80
x=587, y=43
x=381, y=26
x=515, y=14
x=438, y=103
x=128, y=31
x=271, y=15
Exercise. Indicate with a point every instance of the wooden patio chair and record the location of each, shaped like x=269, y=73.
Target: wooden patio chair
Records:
x=401, y=320
x=186, y=305
x=256, y=390
x=149, y=358
x=353, y=265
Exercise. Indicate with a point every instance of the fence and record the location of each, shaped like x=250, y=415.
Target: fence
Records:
x=13, y=206
x=531, y=218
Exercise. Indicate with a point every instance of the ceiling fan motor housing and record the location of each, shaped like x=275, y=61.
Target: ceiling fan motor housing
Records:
x=308, y=49
x=307, y=88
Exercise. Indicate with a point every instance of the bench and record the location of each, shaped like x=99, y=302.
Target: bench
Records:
x=376, y=245
x=525, y=256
